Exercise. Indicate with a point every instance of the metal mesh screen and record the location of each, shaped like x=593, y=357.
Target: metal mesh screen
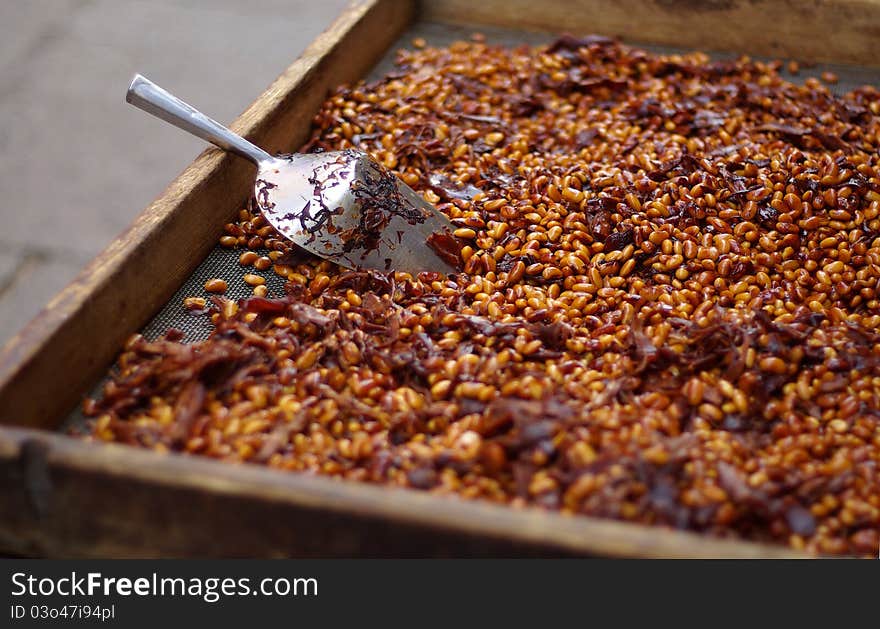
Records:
x=220, y=263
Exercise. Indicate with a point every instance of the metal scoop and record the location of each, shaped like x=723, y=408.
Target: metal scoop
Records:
x=342, y=205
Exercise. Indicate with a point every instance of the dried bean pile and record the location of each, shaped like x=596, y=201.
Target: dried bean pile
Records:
x=667, y=312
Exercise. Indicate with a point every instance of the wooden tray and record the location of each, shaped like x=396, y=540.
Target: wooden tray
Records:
x=60, y=496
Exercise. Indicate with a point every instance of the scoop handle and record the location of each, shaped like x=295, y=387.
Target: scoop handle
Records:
x=146, y=95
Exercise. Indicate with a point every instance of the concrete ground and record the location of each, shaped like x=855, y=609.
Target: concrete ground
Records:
x=77, y=163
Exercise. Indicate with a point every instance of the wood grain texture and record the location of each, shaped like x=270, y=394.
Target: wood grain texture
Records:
x=45, y=369
x=61, y=497
x=834, y=31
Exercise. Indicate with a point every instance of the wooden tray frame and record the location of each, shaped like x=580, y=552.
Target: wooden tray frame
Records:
x=61, y=496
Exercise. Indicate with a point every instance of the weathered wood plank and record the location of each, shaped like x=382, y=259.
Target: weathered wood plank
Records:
x=835, y=31
x=62, y=497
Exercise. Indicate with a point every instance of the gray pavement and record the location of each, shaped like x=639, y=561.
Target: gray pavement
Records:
x=76, y=163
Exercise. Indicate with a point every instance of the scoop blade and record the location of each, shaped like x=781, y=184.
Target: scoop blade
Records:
x=347, y=208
